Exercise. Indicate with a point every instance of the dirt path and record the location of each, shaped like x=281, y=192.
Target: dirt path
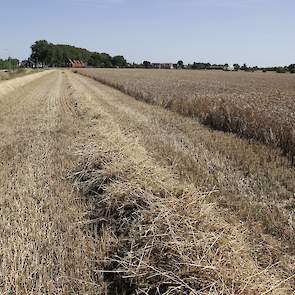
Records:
x=53, y=241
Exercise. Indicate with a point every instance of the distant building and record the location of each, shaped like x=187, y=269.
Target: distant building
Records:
x=229, y=68
x=73, y=63
x=29, y=63
x=166, y=66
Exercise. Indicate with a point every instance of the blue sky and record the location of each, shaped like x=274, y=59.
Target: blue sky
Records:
x=256, y=32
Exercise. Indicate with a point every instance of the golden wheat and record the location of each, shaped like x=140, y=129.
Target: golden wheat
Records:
x=258, y=106
x=104, y=194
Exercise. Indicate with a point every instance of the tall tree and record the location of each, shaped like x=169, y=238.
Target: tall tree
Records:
x=119, y=61
x=236, y=67
x=58, y=55
x=40, y=51
x=180, y=64
x=147, y=64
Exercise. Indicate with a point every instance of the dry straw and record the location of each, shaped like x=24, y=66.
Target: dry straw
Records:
x=257, y=106
x=166, y=237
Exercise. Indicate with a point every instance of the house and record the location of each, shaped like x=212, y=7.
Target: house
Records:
x=73, y=63
x=167, y=66
x=228, y=68
x=29, y=63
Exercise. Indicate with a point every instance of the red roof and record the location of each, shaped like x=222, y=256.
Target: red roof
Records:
x=76, y=63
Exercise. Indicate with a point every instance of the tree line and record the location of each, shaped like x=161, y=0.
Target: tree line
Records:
x=58, y=55
x=208, y=66
x=10, y=63
x=290, y=68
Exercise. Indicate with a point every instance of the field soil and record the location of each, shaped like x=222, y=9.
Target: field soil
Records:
x=104, y=194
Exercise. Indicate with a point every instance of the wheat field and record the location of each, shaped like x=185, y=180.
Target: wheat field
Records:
x=101, y=193
x=258, y=106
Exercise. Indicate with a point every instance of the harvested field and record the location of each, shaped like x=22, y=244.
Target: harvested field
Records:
x=258, y=106
x=14, y=83
x=3, y=74
x=104, y=194
x=7, y=75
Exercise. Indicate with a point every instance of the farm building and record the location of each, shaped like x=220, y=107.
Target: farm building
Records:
x=73, y=63
x=229, y=68
x=167, y=66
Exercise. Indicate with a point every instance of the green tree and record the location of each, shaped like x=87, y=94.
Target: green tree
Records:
x=59, y=54
x=244, y=67
x=147, y=64
x=236, y=67
x=40, y=51
x=280, y=70
x=119, y=61
x=200, y=66
x=95, y=60
x=106, y=60
x=180, y=64
x=8, y=64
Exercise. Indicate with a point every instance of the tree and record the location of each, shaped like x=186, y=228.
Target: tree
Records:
x=40, y=51
x=291, y=68
x=95, y=60
x=106, y=60
x=200, y=66
x=10, y=63
x=244, y=67
x=59, y=55
x=147, y=64
x=180, y=64
x=119, y=61
x=280, y=70
x=236, y=67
